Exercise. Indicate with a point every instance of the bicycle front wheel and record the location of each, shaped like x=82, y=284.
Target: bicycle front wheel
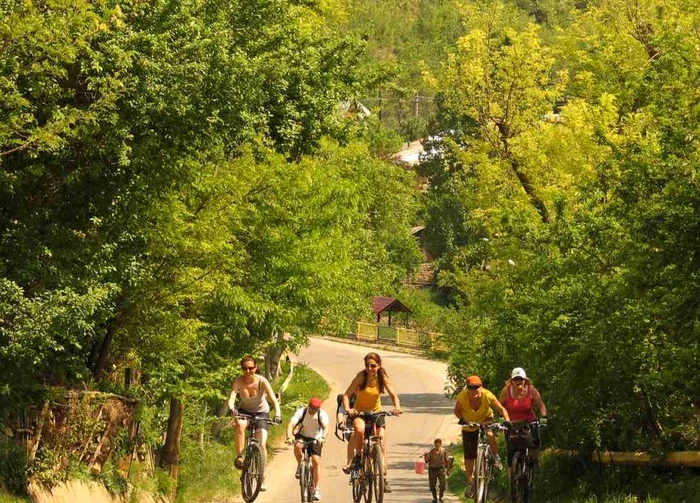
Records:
x=358, y=484
x=519, y=482
x=252, y=474
x=481, y=475
x=377, y=473
x=306, y=482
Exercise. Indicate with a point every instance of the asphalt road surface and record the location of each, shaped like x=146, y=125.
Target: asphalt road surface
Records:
x=427, y=414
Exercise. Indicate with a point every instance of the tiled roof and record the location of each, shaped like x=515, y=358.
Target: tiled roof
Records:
x=383, y=304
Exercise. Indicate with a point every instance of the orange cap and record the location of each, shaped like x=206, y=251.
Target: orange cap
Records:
x=474, y=380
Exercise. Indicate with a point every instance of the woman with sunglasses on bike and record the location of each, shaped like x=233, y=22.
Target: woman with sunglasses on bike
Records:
x=367, y=386
x=255, y=396
x=520, y=397
x=476, y=404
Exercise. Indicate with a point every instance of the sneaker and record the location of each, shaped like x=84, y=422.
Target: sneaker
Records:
x=387, y=487
x=346, y=470
x=238, y=462
x=297, y=475
x=317, y=495
x=263, y=487
x=497, y=463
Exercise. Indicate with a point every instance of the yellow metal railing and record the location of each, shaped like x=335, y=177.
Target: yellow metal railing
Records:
x=403, y=336
x=366, y=331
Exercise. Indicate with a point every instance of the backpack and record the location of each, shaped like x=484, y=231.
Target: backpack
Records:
x=521, y=438
x=345, y=432
x=300, y=424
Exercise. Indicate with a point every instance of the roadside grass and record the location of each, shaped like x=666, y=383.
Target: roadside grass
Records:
x=207, y=473
x=569, y=480
x=9, y=498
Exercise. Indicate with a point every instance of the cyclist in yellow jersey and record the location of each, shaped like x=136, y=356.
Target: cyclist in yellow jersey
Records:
x=367, y=386
x=475, y=404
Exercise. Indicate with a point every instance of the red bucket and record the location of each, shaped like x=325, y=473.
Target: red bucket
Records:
x=420, y=466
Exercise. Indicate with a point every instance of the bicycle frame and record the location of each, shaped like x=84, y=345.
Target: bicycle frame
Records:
x=367, y=476
x=253, y=471
x=523, y=476
x=484, y=461
x=306, y=481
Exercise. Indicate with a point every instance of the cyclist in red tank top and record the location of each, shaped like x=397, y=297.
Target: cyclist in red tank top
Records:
x=519, y=397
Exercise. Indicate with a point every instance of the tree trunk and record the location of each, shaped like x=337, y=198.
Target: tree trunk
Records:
x=273, y=355
x=170, y=456
x=103, y=351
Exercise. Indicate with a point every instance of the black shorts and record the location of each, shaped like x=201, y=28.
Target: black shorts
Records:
x=470, y=442
x=380, y=421
x=315, y=448
x=261, y=421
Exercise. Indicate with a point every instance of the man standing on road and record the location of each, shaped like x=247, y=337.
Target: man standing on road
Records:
x=439, y=462
x=309, y=423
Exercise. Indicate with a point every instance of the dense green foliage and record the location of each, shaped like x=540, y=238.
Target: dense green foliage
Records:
x=564, y=215
x=178, y=189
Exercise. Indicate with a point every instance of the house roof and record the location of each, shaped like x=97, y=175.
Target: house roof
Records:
x=384, y=304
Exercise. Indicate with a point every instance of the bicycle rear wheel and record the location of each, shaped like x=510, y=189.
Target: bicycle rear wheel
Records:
x=377, y=473
x=519, y=482
x=252, y=474
x=368, y=473
x=481, y=475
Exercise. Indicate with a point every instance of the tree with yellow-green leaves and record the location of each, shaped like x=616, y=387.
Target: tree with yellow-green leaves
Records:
x=563, y=210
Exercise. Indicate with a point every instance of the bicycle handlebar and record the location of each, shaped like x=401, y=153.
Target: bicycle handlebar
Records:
x=255, y=417
x=491, y=426
x=374, y=415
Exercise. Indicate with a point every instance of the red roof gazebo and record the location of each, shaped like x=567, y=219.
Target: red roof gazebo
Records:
x=387, y=305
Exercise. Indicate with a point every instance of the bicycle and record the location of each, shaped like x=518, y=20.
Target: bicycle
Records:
x=367, y=467
x=485, y=459
x=306, y=479
x=253, y=470
x=523, y=474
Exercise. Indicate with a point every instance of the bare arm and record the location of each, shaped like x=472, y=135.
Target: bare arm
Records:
x=232, y=396
x=458, y=409
x=271, y=396
x=394, y=397
x=537, y=400
x=351, y=391
x=501, y=409
x=290, y=427
x=324, y=422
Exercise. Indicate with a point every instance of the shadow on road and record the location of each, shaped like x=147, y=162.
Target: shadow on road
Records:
x=425, y=403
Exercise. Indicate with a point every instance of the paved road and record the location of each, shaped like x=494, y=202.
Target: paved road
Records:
x=427, y=414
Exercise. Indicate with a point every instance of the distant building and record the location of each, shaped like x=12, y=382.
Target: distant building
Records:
x=353, y=109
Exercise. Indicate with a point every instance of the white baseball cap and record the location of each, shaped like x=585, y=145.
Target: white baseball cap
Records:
x=518, y=372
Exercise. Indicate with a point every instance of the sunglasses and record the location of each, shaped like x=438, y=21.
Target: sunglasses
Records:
x=371, y=365
x=246, y=369
x=474, y=386
x=518, y=379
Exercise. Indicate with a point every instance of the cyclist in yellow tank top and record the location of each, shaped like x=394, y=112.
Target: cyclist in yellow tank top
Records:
x=367, y=386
